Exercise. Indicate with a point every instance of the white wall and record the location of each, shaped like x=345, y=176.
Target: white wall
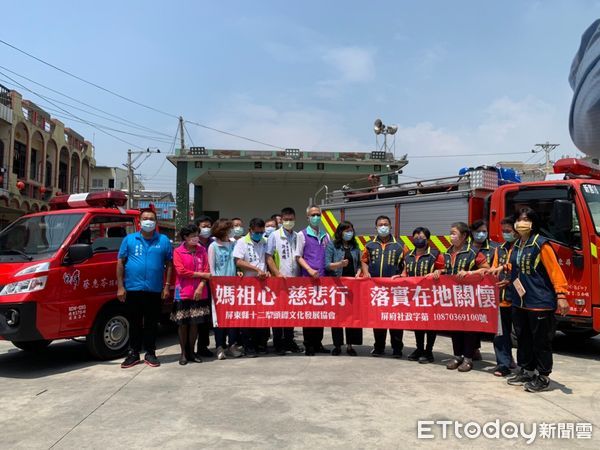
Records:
x=259, y=198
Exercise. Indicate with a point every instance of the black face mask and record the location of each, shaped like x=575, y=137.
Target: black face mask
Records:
x=420, y=243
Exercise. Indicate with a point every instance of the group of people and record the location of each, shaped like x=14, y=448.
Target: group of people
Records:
x=532, y=285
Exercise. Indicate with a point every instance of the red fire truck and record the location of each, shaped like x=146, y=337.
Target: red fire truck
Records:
x=567, y=201
x=58, y=274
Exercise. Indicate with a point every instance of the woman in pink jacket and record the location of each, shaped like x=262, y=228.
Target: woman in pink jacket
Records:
x=190, y=302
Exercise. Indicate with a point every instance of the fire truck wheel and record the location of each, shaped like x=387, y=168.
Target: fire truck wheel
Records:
x=33, y=346
x=110, y=334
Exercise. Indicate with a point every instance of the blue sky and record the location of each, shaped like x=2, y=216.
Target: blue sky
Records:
x=462, y=77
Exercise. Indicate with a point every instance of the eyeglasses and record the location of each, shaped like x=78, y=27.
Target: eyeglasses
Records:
x=315, y=215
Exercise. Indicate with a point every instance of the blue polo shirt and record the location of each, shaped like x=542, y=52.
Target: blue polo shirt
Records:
x=145, y=261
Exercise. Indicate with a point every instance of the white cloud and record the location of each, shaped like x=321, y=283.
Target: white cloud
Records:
x=507, y=125
x=353, y=64
x=309, y=129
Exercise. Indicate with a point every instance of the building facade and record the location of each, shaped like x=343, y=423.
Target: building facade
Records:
x=112, y=178
x=39, y=158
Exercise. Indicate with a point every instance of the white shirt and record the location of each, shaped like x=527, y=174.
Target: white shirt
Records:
x=282, y=247
x=251, y=252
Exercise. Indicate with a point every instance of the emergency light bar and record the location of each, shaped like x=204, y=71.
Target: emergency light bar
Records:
x=104, y=199
x=573, y=166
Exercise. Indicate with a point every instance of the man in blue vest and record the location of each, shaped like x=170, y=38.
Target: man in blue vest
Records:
x=384, y=257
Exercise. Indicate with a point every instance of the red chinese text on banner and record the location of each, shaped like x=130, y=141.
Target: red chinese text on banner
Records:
x=448, y=304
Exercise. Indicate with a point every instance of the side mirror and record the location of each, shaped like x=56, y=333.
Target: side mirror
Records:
x=78, y=253
x=562, y=215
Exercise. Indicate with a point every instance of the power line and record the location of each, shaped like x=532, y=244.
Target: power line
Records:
x=116, y=130
x=124, y=98
x=135, y=102
x=66, y=72
x=82, y=103
x=69, y=113
x=234, y=135
x=467, y=155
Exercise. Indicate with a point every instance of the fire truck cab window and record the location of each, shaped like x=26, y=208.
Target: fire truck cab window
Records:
x=591, y=193
x=541, y=200
x=106, y=233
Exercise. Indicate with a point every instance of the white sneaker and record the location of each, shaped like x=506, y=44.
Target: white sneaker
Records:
x=221, y=354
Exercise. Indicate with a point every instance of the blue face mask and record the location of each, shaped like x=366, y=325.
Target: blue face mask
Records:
x=480, y=236
x=509, y=237
x=347, y=235
x=383, y=231
x=256, y=236
x=315, y=221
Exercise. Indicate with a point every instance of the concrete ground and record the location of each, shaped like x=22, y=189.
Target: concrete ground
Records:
x=63, y=399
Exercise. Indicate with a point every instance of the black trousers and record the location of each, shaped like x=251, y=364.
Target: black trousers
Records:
x=535, y=331
x=283, y=337
x=354, y=336
x=204, y=330
x=144, y=313
x=313, y=337
x=420, y=339
x=255, y=337
x=395, y=338
x=464, y=343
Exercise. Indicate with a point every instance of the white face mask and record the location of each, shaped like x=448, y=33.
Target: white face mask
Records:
x=148, y=225
x=269, y=230
x=205, y=232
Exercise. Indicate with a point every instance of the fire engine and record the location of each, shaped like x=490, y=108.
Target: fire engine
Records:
x=58, y=274
x=568, y=203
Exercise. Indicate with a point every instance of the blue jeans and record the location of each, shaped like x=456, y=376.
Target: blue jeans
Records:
x=503, y=344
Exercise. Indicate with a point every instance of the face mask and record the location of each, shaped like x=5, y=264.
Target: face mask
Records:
x=420, y=242
x=523, y=227
x=205, y=232
x=480, y=236
x=256, y=236
x=269, y=230
x=348, y=235
x=456, y=240
x=230, y=234
x=508, y=237
x=238, y=231
x=289, y=225
x=315, y=220
x=148, y=225
x=193, y=241
x=383, y=230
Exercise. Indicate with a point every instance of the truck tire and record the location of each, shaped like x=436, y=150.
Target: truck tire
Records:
x=33, y=346
x=109, y=337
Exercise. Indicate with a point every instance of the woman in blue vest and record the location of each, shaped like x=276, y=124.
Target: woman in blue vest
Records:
x=421, y=262
x=460, y=260
x=482, y=243
x=342, y=259
x=541, y=289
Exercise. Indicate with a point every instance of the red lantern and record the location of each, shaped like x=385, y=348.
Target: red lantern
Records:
x=1, y=179
x=43, y=189
x=58, y=193
x=20, y=185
